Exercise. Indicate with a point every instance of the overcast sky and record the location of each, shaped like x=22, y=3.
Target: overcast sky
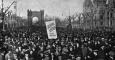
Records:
x=51, y=7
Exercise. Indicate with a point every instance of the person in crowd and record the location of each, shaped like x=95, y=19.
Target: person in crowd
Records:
x=80, y=45
x=9, y=55
x=1, y=56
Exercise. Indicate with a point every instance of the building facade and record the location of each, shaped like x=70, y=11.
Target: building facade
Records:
x=99, y=13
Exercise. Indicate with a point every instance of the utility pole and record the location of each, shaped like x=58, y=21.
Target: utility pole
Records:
x=110, y=6
x=92, y=20
x=15, y=9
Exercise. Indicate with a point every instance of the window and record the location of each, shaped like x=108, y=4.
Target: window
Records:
x=114, y=3
x=111, y=15
x=101, y=23
x=101, y=16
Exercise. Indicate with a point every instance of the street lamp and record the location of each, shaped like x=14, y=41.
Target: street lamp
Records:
x=3, y=14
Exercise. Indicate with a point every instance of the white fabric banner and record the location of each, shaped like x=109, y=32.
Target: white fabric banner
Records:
x=51, y=29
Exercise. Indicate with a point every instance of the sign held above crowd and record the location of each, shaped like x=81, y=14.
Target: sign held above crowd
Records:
x=51, y=29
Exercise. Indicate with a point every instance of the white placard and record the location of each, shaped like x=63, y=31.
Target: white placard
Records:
x=51, y=29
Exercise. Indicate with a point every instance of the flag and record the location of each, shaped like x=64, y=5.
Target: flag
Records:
x=51, y=29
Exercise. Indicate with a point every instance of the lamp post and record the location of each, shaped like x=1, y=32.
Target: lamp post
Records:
x=3, y=14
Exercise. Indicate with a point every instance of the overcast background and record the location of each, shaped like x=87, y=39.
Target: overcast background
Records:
x=58, y=8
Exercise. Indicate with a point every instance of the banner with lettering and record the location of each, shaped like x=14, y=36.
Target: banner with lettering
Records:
x=51, y=29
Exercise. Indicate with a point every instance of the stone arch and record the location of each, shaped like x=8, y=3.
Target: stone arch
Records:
x=38, y=14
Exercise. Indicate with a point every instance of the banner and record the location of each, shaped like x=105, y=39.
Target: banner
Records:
x=51, y=29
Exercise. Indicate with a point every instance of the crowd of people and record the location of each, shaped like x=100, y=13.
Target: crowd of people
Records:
x=79, y=45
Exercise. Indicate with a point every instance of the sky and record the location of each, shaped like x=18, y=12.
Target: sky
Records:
x=60, y=8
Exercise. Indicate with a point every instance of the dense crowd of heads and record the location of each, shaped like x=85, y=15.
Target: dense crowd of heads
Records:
x=80, y=45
